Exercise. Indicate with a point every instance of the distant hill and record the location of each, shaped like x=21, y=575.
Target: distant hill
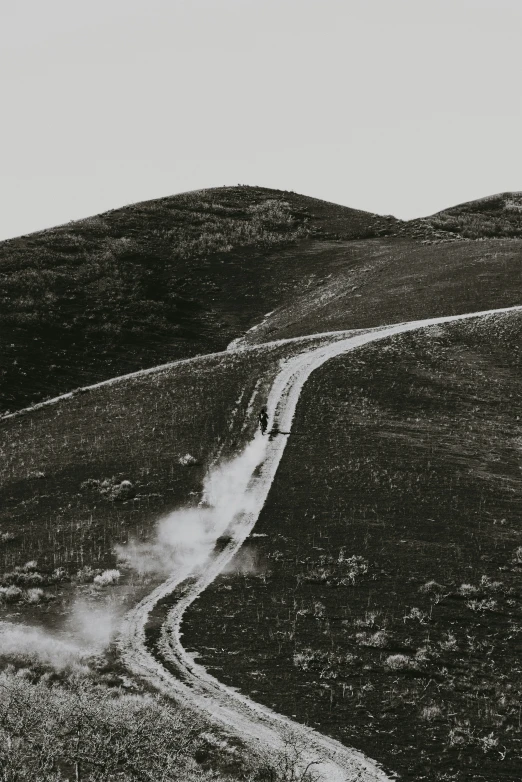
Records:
x=185, y=275
x=154, y=282
x=497, y=216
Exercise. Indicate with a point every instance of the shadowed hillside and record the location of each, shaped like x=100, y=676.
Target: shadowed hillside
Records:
x=156, y=281
x=379, y=596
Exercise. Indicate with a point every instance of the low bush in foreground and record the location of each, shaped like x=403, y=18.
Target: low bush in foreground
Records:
x=74, y=728
x=81, y=731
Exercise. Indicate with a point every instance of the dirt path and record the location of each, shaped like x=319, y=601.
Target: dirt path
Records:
x=260, y=728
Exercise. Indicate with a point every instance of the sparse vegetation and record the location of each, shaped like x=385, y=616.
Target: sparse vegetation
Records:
x=390, y=280
x=289, y=764
x=83, y=725
x=379, y=640
x=108, y=577
x=115, y=461
x=112, y=489
x=400, y=662
x=185, y=275
x=499, y=216
x=335, y=571
x=24, y=584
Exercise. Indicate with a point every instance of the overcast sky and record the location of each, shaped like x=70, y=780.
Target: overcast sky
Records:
x=400, y=107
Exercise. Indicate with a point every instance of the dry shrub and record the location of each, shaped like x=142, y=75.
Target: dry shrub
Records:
x=400, y=662
x=107, y=578
x=377, y=640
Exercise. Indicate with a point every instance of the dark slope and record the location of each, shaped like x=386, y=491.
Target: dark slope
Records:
x=386, y=607
x=156, y=281
x=389, y=280
x=61, y=465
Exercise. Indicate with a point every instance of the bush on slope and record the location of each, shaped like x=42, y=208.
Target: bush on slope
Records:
x=74, y=728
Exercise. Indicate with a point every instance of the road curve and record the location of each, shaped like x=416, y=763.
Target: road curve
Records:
x=260, y=728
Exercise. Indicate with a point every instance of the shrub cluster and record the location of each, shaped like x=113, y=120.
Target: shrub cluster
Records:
x=24, y=584
x=78, y=729
x=112, y=489
x=336, y=571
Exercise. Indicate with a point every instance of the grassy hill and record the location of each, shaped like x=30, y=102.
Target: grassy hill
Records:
x=185, y=275
x=61, y=467
x=62, y=511
x=389, y=280
x=156, y=281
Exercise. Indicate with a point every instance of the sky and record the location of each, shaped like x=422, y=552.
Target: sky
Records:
x=400, y=107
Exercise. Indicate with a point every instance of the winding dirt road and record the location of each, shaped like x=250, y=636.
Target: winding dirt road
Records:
x=260, y=728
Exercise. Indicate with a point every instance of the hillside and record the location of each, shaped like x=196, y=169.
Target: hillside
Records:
x=380, y=601
x=389, y=280
x=61, y=465
x=497, y=216
x=157, y=281
x=345, y=615
x=186, y=275
x=326, y=568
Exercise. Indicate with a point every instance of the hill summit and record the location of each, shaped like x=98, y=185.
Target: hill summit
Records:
x=153, y=282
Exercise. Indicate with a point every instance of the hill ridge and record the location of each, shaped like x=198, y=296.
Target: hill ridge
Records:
x=185, y=275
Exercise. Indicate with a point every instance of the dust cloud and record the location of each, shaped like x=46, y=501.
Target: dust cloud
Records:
x=94, y=623
x=28, y=645
x=246, y=562
x=185, y=538
x=87, y=632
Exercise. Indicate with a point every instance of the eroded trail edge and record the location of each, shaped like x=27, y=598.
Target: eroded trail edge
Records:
x=260, y=728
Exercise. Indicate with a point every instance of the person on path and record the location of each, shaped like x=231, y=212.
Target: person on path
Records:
x=263, y=419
